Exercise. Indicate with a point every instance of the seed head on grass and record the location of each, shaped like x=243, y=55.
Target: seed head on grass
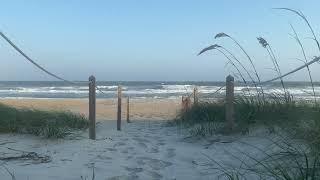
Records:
x=209, y=48
x=222, y=34
x=263, y=42
x=268, y=48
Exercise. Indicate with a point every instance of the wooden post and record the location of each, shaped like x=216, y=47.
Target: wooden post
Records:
x=92, y=107
x=119, y=109
x=229, y=102
x=195, y=95
x=183, y=103
x=128, y=112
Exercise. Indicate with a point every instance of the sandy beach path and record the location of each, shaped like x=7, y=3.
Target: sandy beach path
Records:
x=142, y=150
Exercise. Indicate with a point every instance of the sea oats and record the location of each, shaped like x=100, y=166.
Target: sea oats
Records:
x=219, y=35
x=209, y=48
x=263, y=42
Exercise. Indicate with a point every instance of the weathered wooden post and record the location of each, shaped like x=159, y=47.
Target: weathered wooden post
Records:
x=229, y=102
x=128, y=112
x=195, y=95
x=92, y=107
x=183, y=103
x=119, y=109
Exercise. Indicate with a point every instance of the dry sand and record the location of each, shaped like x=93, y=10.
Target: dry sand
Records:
x=140, y=109
x=142, y=150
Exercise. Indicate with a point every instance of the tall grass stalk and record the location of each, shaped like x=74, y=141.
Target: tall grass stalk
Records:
x=219, y=35
x=216, y=47
x=296, y=37
x=301, y=15
x=242, y=66
x=267, y=46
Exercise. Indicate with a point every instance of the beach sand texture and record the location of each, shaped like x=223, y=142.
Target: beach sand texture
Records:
x=142, y=150
x=106, y=109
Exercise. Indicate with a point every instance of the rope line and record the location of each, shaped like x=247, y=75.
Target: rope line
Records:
x=316, y=59
x=97, y=88
x=219, y=89
x=32, y=61
x=39, y=66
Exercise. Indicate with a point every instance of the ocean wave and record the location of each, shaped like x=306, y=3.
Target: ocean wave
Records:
x=156, y=90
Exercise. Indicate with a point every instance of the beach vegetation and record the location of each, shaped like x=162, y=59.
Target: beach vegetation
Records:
x=49, y=124
x=297, y=155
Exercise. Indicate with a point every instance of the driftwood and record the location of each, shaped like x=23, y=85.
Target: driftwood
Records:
x=27, y=156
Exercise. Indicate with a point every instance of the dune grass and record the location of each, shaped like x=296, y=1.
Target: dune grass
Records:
x=49, y=124
x=278, y=113
x=298, y=155
x=290, y=162
x=300, y=119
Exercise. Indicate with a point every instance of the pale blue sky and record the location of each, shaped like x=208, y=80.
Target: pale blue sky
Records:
x=148, y=40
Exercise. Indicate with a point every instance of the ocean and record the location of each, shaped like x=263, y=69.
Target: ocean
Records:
x=140, y=89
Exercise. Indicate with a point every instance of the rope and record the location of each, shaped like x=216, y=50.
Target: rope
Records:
x=219, y=89
x=316, y=59
x=32, y=61
x=97, y=88
x=39, y=66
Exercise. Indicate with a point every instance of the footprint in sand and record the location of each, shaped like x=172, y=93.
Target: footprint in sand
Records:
x=153, y=150
x=155, y=175
x=103, y=157
x=143, y=145
x=141, y=139
x=171, y=152
x=124, y=139
x=155, y=164
x=124, y=177
x=129, y=157
x=111, y=149
x=127, y=150
x=161, y=144
x=119, y=144
x=133, y=170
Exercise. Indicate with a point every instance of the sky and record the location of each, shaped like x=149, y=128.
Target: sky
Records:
x=150, y=40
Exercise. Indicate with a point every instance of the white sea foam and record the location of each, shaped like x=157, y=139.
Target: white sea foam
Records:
x=160, y=90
